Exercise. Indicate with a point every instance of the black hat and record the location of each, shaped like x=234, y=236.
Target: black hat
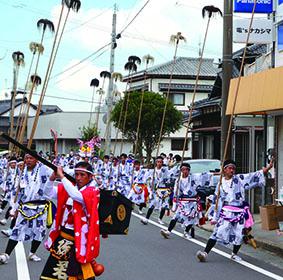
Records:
x=177, y=157
x=185, y=164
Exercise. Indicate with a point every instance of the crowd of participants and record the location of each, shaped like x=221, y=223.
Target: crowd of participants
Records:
x=165, y=185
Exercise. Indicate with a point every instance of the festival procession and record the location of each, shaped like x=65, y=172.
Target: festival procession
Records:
x=168, y=169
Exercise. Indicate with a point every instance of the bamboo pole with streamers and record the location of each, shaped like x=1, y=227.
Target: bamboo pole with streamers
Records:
x=173, y=39
x=210, y=10
x=234, y=105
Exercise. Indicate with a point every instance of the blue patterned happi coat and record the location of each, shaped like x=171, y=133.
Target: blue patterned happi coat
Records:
x=232, y=209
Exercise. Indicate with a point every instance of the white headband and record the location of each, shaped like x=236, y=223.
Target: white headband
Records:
x=12, y=161
x=84, y=170
x=229, y=164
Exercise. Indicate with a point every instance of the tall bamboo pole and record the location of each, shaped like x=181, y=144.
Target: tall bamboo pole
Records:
x=234, y=105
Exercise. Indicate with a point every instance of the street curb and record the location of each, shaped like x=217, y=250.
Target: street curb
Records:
x=271, y=247
x=263, y=244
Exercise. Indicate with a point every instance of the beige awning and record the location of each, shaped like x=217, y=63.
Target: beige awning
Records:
x=259, y=93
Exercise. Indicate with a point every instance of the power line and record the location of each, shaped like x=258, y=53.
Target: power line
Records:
x=73, y=73
x=147, y=2
x=71, y=67
x=87, y=21
x=81, y=61
x=69, y=99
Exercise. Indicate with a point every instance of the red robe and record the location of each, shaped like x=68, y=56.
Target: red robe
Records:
x=86, y=223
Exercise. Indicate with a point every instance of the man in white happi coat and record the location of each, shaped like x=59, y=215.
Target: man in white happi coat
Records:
x=232, y=215
x=3, y=168
x=159, y=191
x=104, y=171
x=186, y=201
x=125, y=171
x=12, y=183
x=139, y=191
x=113, y=180
x=9, y=180
x=31, y=209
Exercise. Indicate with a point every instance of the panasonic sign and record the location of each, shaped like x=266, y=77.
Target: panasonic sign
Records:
x=246, y=6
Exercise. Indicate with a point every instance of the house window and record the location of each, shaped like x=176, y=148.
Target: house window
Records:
x=178, y=144
x=280, y=37
x=177, y=98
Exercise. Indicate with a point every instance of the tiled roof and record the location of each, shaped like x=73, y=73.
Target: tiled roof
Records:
x=5, y=106
x=252, y=50
x=185, y=66
x=50, y=109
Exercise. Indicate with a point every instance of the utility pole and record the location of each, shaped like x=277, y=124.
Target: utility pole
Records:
x=109, y=98
x=227, y=64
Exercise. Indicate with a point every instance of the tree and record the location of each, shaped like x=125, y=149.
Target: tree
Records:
x=88, y=132
x=153, y=105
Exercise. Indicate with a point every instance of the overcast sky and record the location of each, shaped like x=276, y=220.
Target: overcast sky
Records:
x=90, y=29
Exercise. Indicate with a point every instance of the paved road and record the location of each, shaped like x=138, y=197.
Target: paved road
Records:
x=144, y=254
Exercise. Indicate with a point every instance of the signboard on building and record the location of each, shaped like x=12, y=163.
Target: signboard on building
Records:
x=280, y=37
x=246, y=6
x=260, y=32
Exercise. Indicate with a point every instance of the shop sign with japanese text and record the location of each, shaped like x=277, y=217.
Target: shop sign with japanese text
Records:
x=260, y=32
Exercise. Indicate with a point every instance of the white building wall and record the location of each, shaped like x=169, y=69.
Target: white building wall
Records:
x=188, y=95
x=165, y=147
x=64, y=146
x=67, y=125
x=153, y=85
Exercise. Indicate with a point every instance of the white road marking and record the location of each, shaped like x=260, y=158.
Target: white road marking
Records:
x=21, y=261
x=217, y=251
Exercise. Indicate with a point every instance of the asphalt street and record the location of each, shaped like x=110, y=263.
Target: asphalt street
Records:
x=144, y=254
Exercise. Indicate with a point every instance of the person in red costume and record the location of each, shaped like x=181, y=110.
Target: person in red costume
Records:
x=73, y=241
